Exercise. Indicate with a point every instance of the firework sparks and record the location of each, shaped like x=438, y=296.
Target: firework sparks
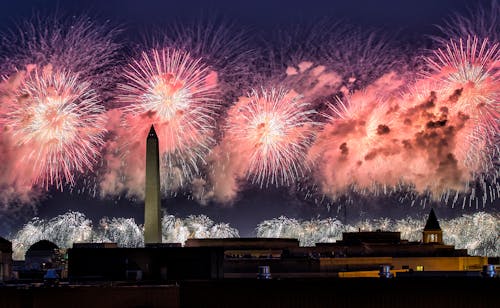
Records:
x=468, y=70
x=478, y=233
x=176, y=93
x=58, y=123
x=274, y=128
x=77, y=44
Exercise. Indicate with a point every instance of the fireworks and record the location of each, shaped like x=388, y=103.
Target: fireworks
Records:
x=274, y=128
x=481, y=21
x=74, y=227
x=71, y=43
x=176, y=93
x=177, y=230
x=58, y=123
x=123, y=231
x=361, y=57
x=222, y=45
x=478, y=233
x=340, y=125
x=468, y=70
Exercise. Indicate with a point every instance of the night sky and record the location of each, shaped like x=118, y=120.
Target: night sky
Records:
x=253, y=205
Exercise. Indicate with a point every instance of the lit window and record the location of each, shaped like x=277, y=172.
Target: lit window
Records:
x=420, y=268
x=433, y=238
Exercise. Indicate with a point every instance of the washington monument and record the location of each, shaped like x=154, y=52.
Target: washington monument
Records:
x=152, y=222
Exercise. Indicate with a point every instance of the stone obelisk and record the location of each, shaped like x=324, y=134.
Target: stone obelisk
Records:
x=152, y=221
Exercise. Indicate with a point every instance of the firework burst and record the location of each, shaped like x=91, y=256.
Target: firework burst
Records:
x=58, y=123
x=176, y=93
x=77, y=44
x=468, y=71
x=222, y=45
x=274, y=128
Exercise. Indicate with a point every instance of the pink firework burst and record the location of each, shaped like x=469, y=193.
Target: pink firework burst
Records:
x=468, y=71
x=176, y=93
x=58, y=124
x=273, y=128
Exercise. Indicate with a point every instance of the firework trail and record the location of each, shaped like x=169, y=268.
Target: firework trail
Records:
x=482, y=22
x=266, y=137
x=69, y=43
x=361, y=57
x=469, y=70
x=221, y=44
x=57, y=124
x=352, y=149
x=295, y=60
x=178, y=230
x=176, y=93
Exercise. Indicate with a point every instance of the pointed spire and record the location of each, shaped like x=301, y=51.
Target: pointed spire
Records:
x=432, y=223
x=152, y=132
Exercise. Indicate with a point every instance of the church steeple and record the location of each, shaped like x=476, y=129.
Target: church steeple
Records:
x=432, y=223
x=432, y=231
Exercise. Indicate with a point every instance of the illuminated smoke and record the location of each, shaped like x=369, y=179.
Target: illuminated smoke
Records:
x=467, y=70
x=221, y=45
x=435, y=139
x=361, y=56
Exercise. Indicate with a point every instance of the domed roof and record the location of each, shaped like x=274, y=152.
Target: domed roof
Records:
x=42, y=245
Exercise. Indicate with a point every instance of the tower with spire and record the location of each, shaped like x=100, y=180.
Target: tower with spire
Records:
x=432, y=231
x=152, y=220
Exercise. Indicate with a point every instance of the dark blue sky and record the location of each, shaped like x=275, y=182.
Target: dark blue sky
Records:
x=412, y=16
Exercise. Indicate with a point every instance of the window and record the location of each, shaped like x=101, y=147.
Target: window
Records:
x=420, y=268
x=433, y=238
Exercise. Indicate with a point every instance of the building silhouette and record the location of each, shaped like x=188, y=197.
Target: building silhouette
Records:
x=357, y=254
x=5, y=259
x=432, y=231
